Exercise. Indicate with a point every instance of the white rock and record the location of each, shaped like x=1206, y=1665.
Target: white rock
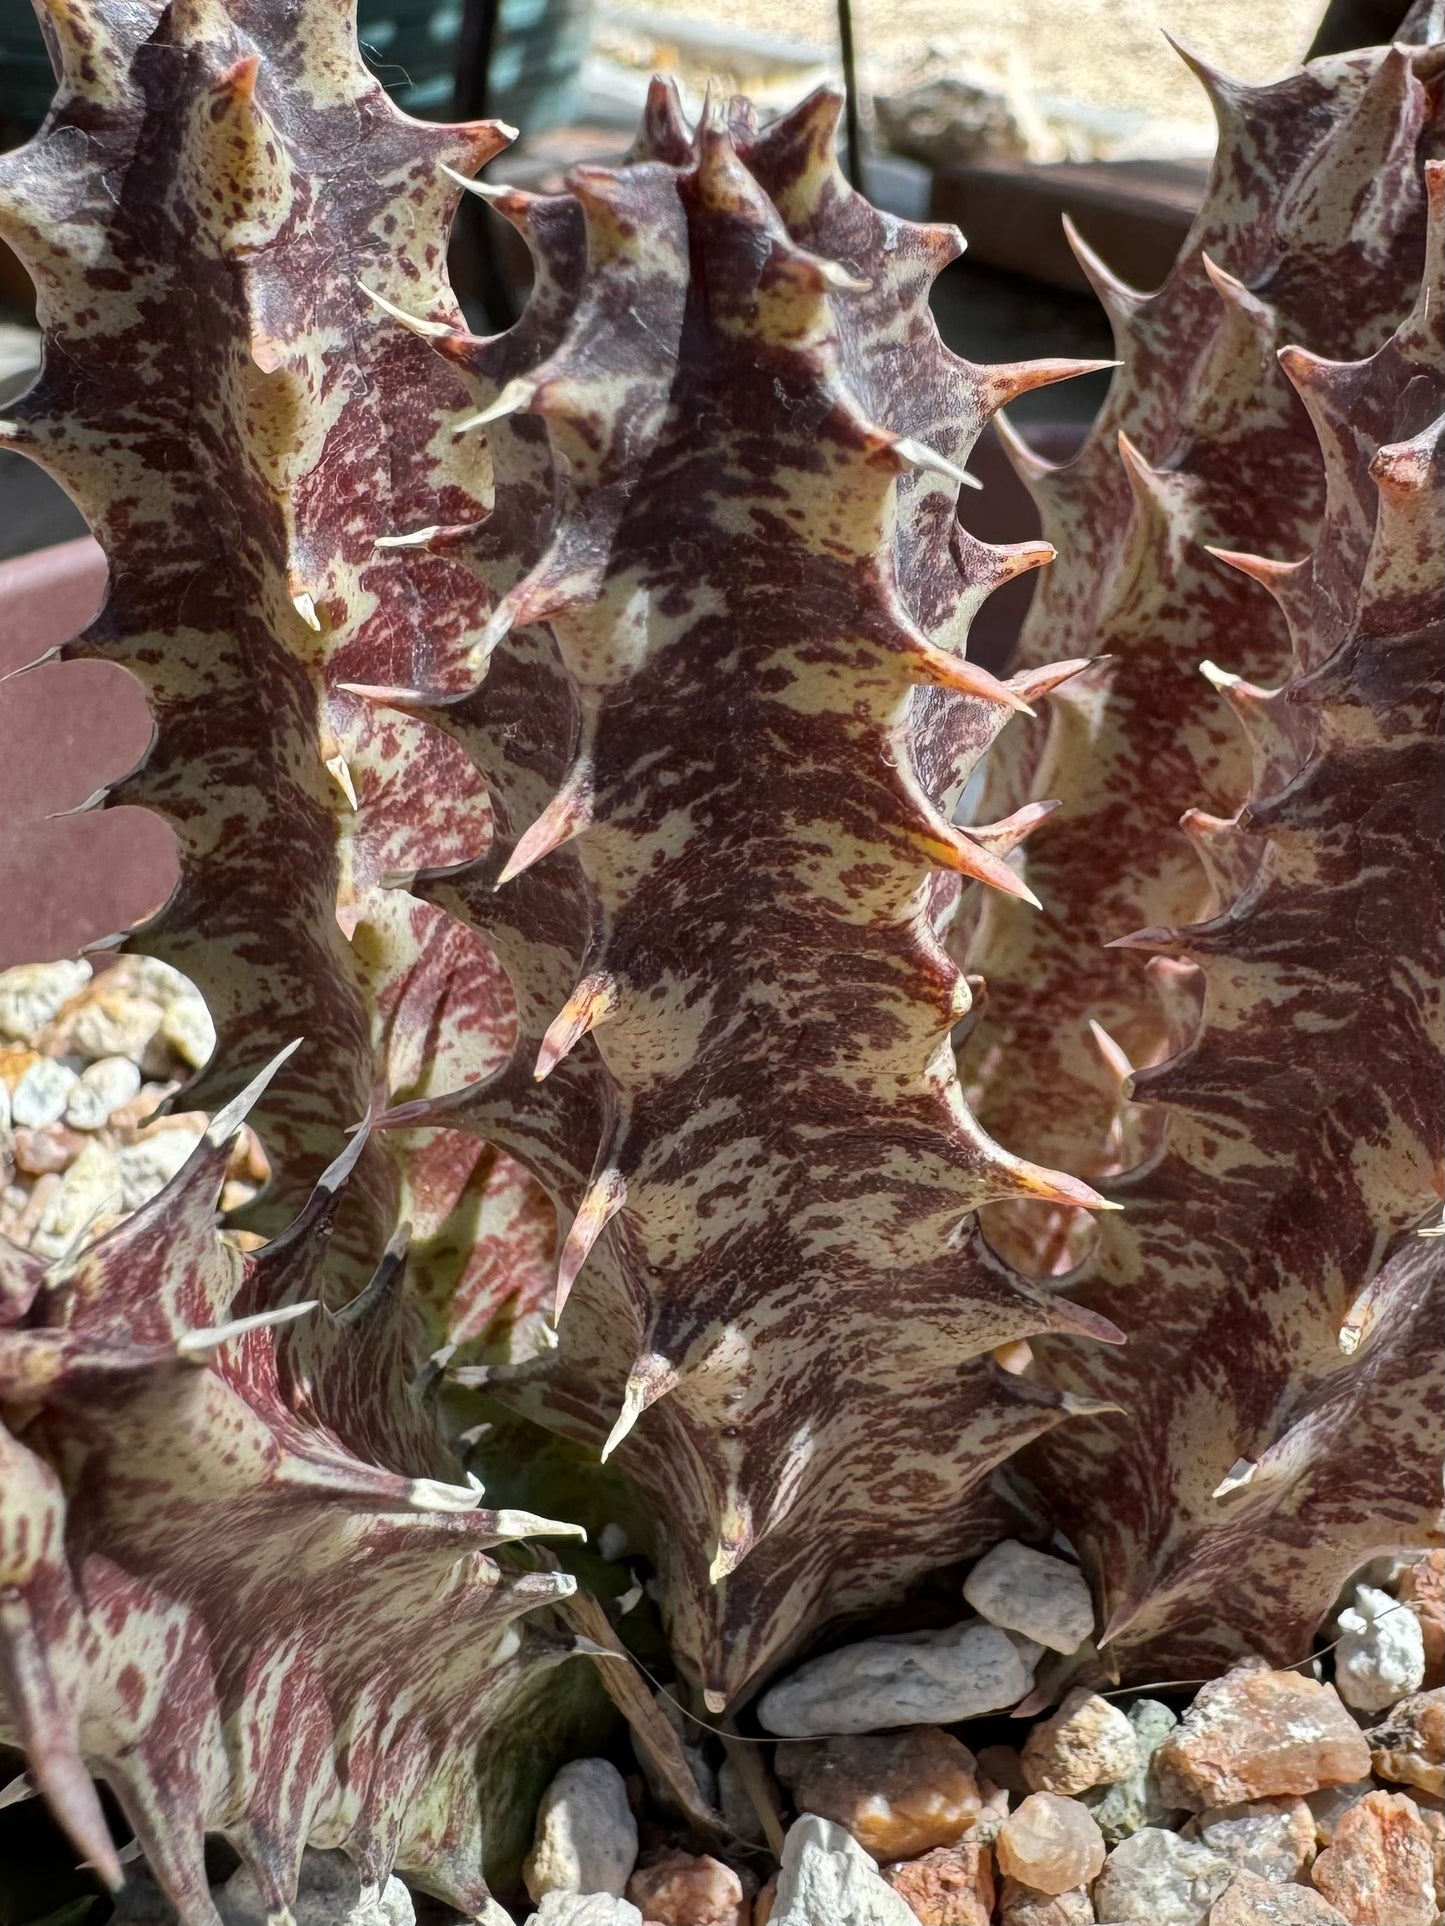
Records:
x=828, y=1880
x=102, y=1089
x=163, y=983
x=916, y=1678
x=1161, y=1880
x=89, y=1189
x=1028, y=1591
x=586, y=1837
x=147, y=1167
x=613, y=1541
x=4, y=1106
x=329, y=1892
x=113, y=1022
x=188, y=1029
x=1381, y=1654
x=42, y=1094
x=31, y=995
x=585, y=1909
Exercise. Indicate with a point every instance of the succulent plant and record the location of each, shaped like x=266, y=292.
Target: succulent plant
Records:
x=563, y=733
x=723, y=917
x=218, y=399
x=239, y=1583
x=1312, y=233
x=1288, y=1038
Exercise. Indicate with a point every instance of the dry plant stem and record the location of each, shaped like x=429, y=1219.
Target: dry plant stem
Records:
x=650, y=1729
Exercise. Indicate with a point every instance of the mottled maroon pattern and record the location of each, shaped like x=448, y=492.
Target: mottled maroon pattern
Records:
x=562, y=733
x=722, y=790
x=1311, y=232
x=228, y=1598
x=235, y=1581
x=1283, y=1390
x=216, y=196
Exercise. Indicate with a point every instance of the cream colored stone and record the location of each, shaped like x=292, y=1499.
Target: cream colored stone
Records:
x=1159, y=1879
x=42, y=1093
x=187, y=1029
x=104, y=1087
x=86, y=1198
x=1051, y=1843
x=110, y=1021
x=828, y=1880
x=913, y=1678
x=1251, y=1901
x=1088, y=1742
x=586, y=1837
x=147, y=1167
x=31, y=994
x=1024, y=1906
x=1380, y=1656
x=1031, y=1592
x=585, y=1909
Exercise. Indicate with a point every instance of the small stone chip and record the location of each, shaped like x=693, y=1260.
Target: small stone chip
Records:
x=898, y=1793
x=1160, y=1879
x=683, y=1889
x=41, y=1095
x=1273, y=1838
x=1251, y=1901
x=1088, y=1742
x=1027, y=1591
x=1050, y=1843
x=1023, y=1906
x=950, y=1886
x=1381, y=1653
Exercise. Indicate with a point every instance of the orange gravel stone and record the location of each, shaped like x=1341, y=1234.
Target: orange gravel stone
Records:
x=1380, y=1871
x=899, y=1793
x=1050, y=1843
x=1257, y=1734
